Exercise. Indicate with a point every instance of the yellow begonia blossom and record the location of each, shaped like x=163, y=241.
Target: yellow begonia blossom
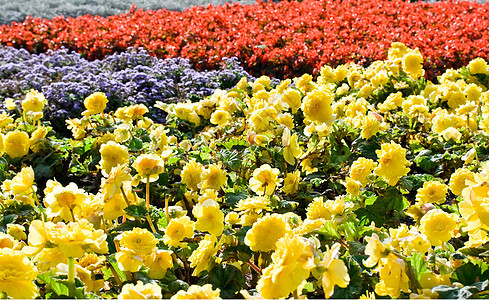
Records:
x=16, y=144
x=266, y=232
x=203, y=257
x=291, y=182
x=139, y=240
x=198, y=292
x=393, y=278
x=213, y=177
x=95, y=103
x=432, y=192
x=335, y=271
x=265, y=180
x=209, y=216
x=392, y=162
x=291, y=264
x=140, y=291
x=17, y=275
x=149, y=166
x=191, y=174
x=438, y=226
x=177, y=230
x=317, y=106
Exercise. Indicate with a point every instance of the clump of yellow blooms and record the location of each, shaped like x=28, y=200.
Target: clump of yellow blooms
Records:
x=272, y=187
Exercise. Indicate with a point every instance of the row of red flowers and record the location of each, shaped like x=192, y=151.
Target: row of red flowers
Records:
x=279, y=39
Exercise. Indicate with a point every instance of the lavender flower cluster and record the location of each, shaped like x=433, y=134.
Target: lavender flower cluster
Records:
x=130, y=77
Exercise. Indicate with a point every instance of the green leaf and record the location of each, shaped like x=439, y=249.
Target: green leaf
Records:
x=42, y=171
x=231, y=159
x=419, y=264
x=466, y=292
x=137, y=211
x=368, y=214
x=5, y=220
x=366, y=147
x=340, y=153
x=394, y=200
x=233, y=197
x=58, y=286
x=467, y=273
x=135, y=144
x=227, y=278
x=329, y=231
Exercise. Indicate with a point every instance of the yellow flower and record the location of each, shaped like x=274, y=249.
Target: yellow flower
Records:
x=95, y=103
x=393, y=277
x=128, y=260
x=317, y=106
x=291, y=265
x=370, y=126
x=220, y=117
x=292, y=98
x=17, y=275
x=140, y=291
x=113, y=154
x=198, y=292
x=48, y=259
x=213, y=177
x=37, y=138
x=375, y=249
x=23, y=181
x=209, y=216
x=17, y=231
x=115, y=180
x=475, y=211
x=253, y=204
x=191, y=174
x=286, y=119
x=478, y=66
x=458, y=180
x=114, y=206
x=158, y=263
x=361, y=169
x=319, y=209
x=392, y=163
x=266, y=232
x=438, y=226
x=203, y=257
x=291, y=182
x=139, y=240
x=149, y=165
x=177, y=230
x=265, y=180
x=34, y=102
x=75, y=238
x=392, y=101
x=16, y=144
x=335, y=271
x=432, y=192
x=412, y=63
x=352, y=187
x=65, y=202
x=292, y=150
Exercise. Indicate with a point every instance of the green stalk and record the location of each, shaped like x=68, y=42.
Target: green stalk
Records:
x=71, y=276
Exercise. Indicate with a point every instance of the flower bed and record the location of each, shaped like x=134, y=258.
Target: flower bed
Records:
x=289, y=38
x=365, y=182
x=130, y=77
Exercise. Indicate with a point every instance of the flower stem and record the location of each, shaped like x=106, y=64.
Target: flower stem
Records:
x=71, y=276
x=147, y=193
